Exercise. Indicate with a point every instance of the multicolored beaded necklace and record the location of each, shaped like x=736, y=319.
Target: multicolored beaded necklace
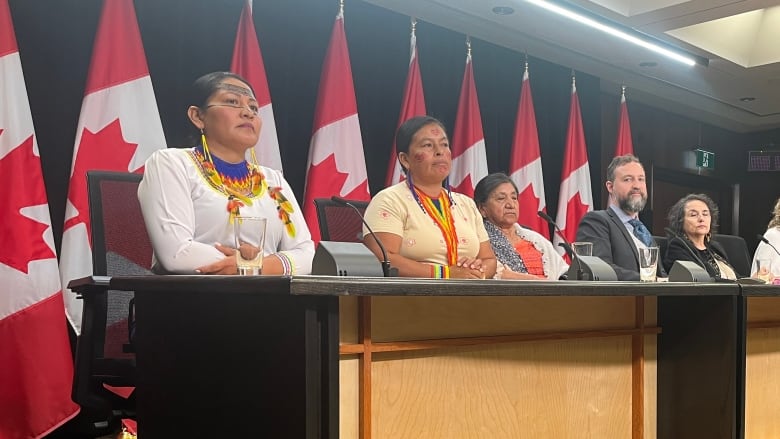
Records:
x=440, y=210
x=241, y=182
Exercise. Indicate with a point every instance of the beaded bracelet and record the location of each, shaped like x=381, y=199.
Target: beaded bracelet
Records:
x=287, y=268
x=440, y=271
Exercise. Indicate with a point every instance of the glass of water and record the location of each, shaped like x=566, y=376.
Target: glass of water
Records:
x=648, y=263
x=249, y=237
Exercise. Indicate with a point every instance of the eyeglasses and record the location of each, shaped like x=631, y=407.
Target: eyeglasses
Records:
x=254, y=109
x=704, y=214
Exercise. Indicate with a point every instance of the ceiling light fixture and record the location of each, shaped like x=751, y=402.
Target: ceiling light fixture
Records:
x=613, y=31
x=503, y=10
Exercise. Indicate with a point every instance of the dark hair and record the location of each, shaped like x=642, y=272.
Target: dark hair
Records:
x=206, y=85
x=488, y=184
x=676, y=215
x=618, y=162
x=407, y=130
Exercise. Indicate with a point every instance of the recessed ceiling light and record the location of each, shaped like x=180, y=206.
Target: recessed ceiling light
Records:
x=503, y=10
x=648, y=64
x=747, y=99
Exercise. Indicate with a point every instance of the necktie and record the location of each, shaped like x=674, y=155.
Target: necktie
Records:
x=641, y=232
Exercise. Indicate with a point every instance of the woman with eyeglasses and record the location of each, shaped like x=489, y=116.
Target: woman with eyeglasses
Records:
x=521, y=252
x=693, y=219
x=191, y=197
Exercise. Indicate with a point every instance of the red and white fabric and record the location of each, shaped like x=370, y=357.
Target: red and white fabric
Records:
x=525, y=164
x=469, y=158
x=248, y=62
x=575, y=199
x=413, y=104
x=624, y=145
x=36, y=366
x=336, y=164
x=119, y=127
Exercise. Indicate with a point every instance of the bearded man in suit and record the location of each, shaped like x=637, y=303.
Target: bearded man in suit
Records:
x=616, y=232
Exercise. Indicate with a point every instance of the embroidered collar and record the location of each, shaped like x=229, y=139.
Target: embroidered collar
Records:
x=241, y=183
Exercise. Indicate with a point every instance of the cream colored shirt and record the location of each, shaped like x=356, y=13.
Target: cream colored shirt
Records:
x=394, y=210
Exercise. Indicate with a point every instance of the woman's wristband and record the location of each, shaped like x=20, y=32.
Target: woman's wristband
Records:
x=440, y=271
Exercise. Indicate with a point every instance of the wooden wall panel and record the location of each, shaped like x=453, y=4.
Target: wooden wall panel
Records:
x=411, y=318
x=762, y=384
x=762, y=368
x=560, y=389
x=349, y=397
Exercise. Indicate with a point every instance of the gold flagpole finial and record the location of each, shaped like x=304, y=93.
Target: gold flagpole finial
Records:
x=468, y=45
x=622, y=90
x=341, y=7
x=414, y=25
x=526, y=62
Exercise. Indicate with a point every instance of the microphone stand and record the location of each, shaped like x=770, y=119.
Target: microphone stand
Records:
x=566, y=245
x=386, y=269
x=766, y=241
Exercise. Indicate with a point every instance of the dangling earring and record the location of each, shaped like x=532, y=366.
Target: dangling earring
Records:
x=413, y=190
x=205, y=145
x=449, y=190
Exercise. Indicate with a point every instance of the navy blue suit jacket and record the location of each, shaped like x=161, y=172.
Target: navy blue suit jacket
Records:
x=612, y=243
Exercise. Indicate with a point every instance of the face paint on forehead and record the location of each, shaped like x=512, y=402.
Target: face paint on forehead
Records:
x=436, y=131
x=244, y=91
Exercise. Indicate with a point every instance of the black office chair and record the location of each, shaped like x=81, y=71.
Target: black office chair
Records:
x=338, y=222
x=737, y=253
x=120, y=246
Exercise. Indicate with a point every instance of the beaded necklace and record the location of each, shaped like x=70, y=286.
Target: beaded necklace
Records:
x=440, y=210
x=241, y=184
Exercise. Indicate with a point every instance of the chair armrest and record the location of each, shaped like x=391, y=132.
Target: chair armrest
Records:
x=89, y=285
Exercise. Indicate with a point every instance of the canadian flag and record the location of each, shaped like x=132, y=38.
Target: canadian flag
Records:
x=119, y=127
x=413, y=104
x=623, y=145
x=36, y=367
x=336, y=163
x=575, y=199
x=469, y=159
x=525, y=164
x=248, y=62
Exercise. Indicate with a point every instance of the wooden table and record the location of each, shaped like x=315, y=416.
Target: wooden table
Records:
x=331, y=357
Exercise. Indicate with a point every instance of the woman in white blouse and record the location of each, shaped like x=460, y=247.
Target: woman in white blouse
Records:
x=190, y=197
x=772, y=234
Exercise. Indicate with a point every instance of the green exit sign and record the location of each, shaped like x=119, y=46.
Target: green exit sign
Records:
x=705, y=159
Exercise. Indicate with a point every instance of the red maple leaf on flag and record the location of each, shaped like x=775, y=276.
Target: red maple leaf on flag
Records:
x=22, y=237
x=465, y=187
x=335, y=181
x=528, y=198
x=104, y=150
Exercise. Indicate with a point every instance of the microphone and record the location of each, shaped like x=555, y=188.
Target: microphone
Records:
x=766, y=241
x=565, y=244
x=684, y=242
x=385, y=261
